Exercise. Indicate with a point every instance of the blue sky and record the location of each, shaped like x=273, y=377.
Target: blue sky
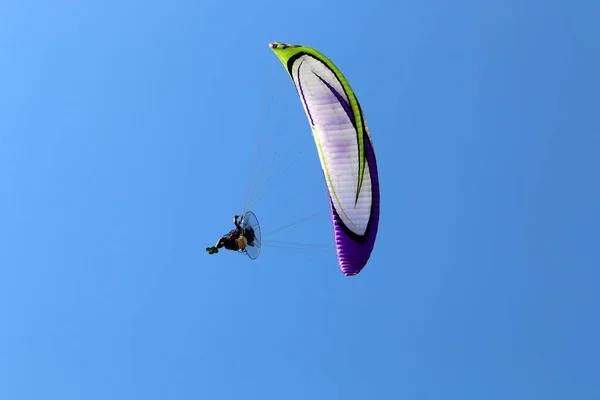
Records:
x=126, y=133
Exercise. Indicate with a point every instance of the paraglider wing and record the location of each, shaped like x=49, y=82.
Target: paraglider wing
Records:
x=345, y=149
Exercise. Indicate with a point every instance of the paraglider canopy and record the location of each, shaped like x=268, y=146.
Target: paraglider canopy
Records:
x=345, y=150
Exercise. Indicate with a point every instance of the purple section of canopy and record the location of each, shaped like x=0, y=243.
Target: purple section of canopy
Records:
x=353, y=255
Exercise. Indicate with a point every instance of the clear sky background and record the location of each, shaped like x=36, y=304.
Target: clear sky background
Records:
x=127, y=133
